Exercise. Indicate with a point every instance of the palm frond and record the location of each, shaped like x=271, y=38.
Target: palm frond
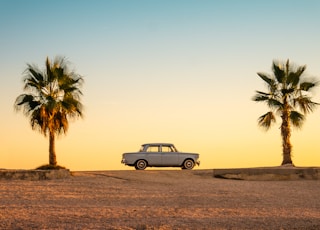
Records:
x=49, y=71
x=273, y=103
x=287, y=91
x=72, y=107
x=278, y=72
x=33, y=78
x=266, y=78
x=266, y=120
x=39, y=120
x=296, y=118
x=27, y=102
x=263, y=93
x=260, y=96
x=294, y=76
x=305, y=104
x=61, y=124
x=306, y=86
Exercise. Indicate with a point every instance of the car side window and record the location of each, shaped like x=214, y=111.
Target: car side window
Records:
x=153, y=149
x=167, y=149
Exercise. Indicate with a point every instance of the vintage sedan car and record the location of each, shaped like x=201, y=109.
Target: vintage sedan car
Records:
x=160, y=155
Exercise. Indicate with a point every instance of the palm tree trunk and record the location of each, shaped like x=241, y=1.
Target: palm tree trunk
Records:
x=52, y=151
x=286, y=134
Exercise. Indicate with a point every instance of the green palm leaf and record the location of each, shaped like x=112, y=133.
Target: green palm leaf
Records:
x=278, y=72
x=294, y=77
x=297, y=118
x=305, y=104
x=267, y=120
x=306, y=86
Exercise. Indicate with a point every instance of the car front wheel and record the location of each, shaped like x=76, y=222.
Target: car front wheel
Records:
x=188, y=164
x=141, y=165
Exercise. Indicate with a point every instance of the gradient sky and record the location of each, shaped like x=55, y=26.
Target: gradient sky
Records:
x=179, y=71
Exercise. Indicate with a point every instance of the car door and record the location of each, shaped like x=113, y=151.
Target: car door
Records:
x=169, y=156
x=153, y=155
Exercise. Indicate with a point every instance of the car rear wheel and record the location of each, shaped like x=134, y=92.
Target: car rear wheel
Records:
x=188, y=164
x=141, y=165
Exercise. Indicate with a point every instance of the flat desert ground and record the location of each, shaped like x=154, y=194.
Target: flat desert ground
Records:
x=158, y=199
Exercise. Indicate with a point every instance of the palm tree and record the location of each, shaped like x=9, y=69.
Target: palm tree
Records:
x=288, y=96
x=53, y=96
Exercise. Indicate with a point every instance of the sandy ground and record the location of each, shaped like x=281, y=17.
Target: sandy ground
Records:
x=158, y=199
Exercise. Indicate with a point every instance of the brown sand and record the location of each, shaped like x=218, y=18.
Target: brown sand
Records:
x=158, y=199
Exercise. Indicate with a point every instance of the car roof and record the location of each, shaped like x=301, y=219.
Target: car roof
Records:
x=157, y=144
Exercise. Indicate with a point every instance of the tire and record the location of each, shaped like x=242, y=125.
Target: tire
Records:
x=188, y=164
x=140, y=165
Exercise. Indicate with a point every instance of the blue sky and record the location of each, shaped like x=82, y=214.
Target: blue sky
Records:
x=174, y=71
